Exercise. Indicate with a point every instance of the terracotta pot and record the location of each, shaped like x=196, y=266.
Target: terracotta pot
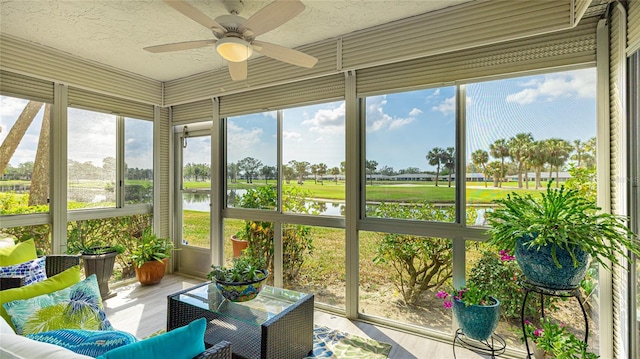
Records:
x=151, y=272
x=238, y=246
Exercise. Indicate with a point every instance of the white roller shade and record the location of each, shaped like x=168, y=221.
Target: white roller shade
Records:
x=192, y=112
x=56, y=66
x=575, y=46
x=277, y=97
x=99, y=102
x=12, y=84
x=633, y=27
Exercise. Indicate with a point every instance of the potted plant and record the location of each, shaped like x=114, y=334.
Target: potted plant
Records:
x=242, y=281
x=98, y=257
x=475, y=309
x=551, y=340
x=554, y=236
x=150, y=256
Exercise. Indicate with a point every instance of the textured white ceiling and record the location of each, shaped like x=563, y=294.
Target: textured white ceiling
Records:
x=113, y=32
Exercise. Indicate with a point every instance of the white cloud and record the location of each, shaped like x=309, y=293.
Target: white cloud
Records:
x=243, y=137
x=327, y=121
x=578, y=84
x=291, y=136
x=447, y=107
x=378, y=120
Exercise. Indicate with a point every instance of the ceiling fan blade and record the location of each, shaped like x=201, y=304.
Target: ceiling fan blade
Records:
x=272, y=16
x=238, y=70
x=196, y=15
x=179, y=46
x=284, y=54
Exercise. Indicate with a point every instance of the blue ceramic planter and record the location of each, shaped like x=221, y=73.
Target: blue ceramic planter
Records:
x=538, y=266
x=477, y=321
x=241, y=291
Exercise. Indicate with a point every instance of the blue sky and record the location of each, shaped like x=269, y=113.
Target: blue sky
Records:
x=401, y=128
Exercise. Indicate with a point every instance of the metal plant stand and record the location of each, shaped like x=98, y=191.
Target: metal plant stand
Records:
x=554, y=292
x=493, y=346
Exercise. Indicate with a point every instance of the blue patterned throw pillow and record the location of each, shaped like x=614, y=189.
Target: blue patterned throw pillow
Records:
x=33, y=271
x=87, y=342
x=76, y=307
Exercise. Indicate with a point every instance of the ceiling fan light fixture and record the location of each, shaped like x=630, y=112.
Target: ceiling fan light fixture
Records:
x=234, y=49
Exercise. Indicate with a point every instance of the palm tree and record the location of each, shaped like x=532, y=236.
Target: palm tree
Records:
x=314, y=172
x=370, y=166
x=517, y=148
x=499, y=149
x=321, y=170
x=434, y=157
x=590, y=153
x=559, y=151
x=449, y=161
x=480, y=158
x=335, y=171
x=537, y=158
x=15, y=135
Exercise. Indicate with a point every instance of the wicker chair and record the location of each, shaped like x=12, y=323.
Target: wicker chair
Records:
x=55, y=263
x=222, y=350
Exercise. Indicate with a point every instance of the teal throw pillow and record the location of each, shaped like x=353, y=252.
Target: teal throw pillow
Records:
x=76, y=307
x=33, y=271
x=181, y=343
x=86, y=342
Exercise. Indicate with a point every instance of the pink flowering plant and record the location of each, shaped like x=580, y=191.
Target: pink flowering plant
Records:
x=469, y=295
x=556, y=340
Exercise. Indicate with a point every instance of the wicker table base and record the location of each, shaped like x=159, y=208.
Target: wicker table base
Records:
x=278, y=324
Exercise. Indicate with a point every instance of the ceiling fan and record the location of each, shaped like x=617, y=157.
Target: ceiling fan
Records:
x=236, y=36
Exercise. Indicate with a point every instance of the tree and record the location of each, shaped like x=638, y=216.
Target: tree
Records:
x=370, y=166
x=321, y=170
x=499, y=149
x=387, y=171
x=232, y=172
x=517, y=151
x=268, y=172
x=249, y=166
x=335, y=171
x=449, y=162
x=537, y=158
x=480, y=158
x=434, y=157
x=39, y=189
x=495, y=169
x=15, y=135
x=343, y=167
x=288, y=173
x=559, y=151
x=314, y=172
x=301, y=169
x=590, y=153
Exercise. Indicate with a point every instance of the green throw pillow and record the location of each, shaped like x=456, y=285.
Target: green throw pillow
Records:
x=181, y=343
x=20, y=253
x=59, y=281
x=76, y=307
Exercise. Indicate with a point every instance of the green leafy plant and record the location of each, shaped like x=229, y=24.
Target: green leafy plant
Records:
x=500, y=274
x=151, y=248
x=92, y=237
x=471, y=294
x=297, y=240
x=556, y=340
x=561, y=218
x=245, y=268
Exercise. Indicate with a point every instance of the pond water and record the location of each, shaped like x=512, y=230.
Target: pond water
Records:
x=200, y=202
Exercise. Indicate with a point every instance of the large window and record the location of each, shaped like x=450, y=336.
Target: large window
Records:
x=138, y=160
x=91, y=159
x=251, y=160
x=24, y=156
x=411, y=152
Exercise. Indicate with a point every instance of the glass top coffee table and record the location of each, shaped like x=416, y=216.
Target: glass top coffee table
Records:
x=277, y=324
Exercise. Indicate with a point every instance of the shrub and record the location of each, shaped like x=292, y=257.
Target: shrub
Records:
x=420, y=263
